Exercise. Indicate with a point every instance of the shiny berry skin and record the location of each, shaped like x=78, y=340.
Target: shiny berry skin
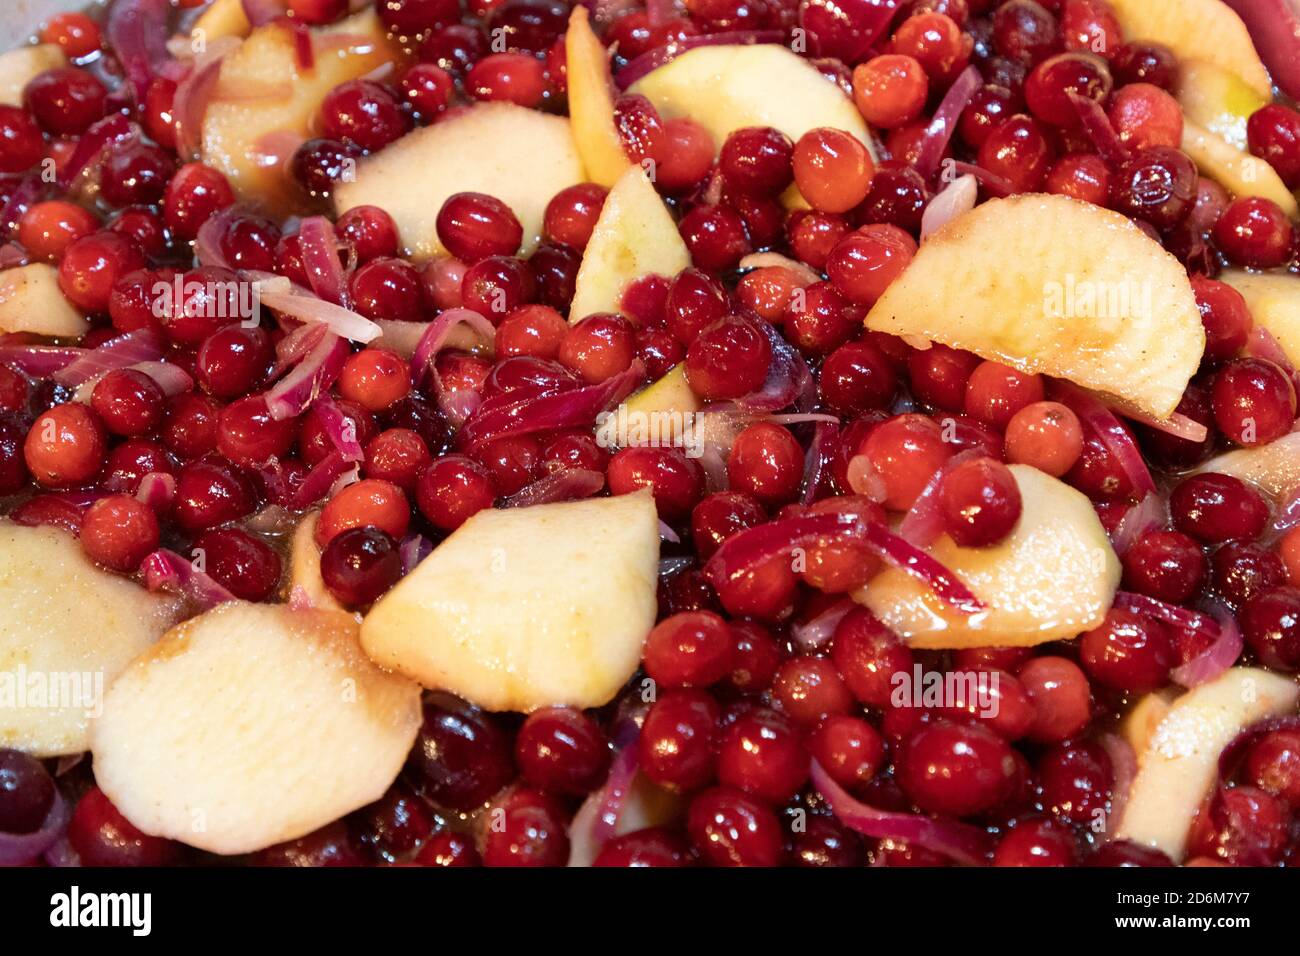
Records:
x=46, y=229
x=689, y=650
x=1128, y=652
x=955, y=769
x=13, y=466
x=728, y=360
x=1046, y=435
x=1145, y=115
x=360, y=564
x=245, y=565
x=857, y=377
x=720, y=515
x=562, y=750
x=677, y=743
x=414, y=17
x=715, y=236
x=363, y=113
x=427, y=88
x=868, y=655
x=832, y=169
x=980, y=502
x=864, y=263
x=21, y=143
x=453, y=489
x=135, y=174
x=694, y=302
x=756, y=160
x=1167, y=565
x=119, y=532
x=1049, y=86
x=1254, y=232
x=555, y=271
x=1241, y=570
x=762, y=754
x=1018, y=151
x=532, y=330
x=1273, y=764
x=1213, y=508
x=532, y=830
x=194, y=194
x=473, y=226
x=653, y=846
x=92, y=265
x=26, y=792
x=1270, y=623
x=320, y=163
x=996, y=392
x=233, y=361
x=1273, y=133
x=247, y=434
x=1254, y=401
x=397, y=455
x=1241, y=826
x=848, y=748
x=1061, y=696
x=1125, y=853
x=890, y=90
x=374, y=378
x=1224, y=314
x=1025, y=31
x=572, y=213
x=599, y=346
x=730, y=828
x=1081, y=176
x=767, y=462
x=462, y=756
x=65, y=101
x=65, y=446
x=332, y=845
x=103, y=837
x=1037, y=842
x=1156, y=185
x=807, y=689
x=369, y=502
x=939, y=375
x=448, y=849
x=676, y=481
x=387, y=288
x=1076, y=780
x=906, y=451
x=690, y=150
x=508, y=77
x=210, y=493
x=128, y=402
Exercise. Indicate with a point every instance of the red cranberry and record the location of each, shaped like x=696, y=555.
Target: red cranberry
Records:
x=572, y=213
x=730, y=828
x=767, y=462
x=1025, y=31
x=868, y=655
x=387, y=289
x=1018, y=151
x=677, y=743
x=857, y=377
x=248, y=434
x=517, y=78
x=1145, y=62
x=1254, y=401
x=92, y=265
x=65, y=101
x=695, y=301
x=562, y=750
x=1165, y=564
x=848, y=748
x=980, y=501
x=756, y=160
x=1213, y=508
x=103, y=837
x=812, y=235
x=1242, y=826
x=21, y=143
x=26, y=792
x=1124, y=853
x=1273, y=764
x=453, y=489
x=65, y=446
x=210, y=493
x=194, y=195
x=1128, y=651
x=653, y=846
x=689, y=650
x=246, y=566
x=473, y=226
x=762, y=754
x=959, y=770
x=360, y=564
x=728, y=359
x=413, y=17
x=320, y=163
x=1051, y=84
x=1156, y=185
x=526, y=828
x=128, y=402
x=462, y=756
x=1242, y=570
x=1254, y=232
x=1273, y=132
x=1271, y=625
x=677, y=481
x=599, y=347
x=135, y=173
x=720, y=515
x=370, y=231
x=990, y=105
x=1224, y=314
x=1037, y=842
x=715, y=236
x=1061, y=696
x=447, y=848
x=331, y=845
x=363, y=113
x=233, y=361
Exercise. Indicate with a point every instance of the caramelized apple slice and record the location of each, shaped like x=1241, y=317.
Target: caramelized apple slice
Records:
x=591, y=102
x=223, y=18
x=1051, y=579
x=1274, y=467
x=634, y=237
x=518, y=155
x=19, y=67
x=1235, y=170
x=527, y=607
x=250, y=725
x=1052, y=285
x=1180, y=762
x=1274, y=301
x=67, y=630
x=31, y=301
x=1197, y=30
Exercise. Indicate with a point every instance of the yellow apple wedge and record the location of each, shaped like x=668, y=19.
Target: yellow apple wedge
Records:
x=1051, y=579
x=591, y=102
x=31, y=301
x=1180, y=762
x=634, y=237
x=1274, y=467
x=223, y=18
x=668, y=406
x=265, y=95
x=1274, y=301
x=1145, y=716
x=1051, y=285
x=728, y=87
x=1196, y=30
x=1236, y=170
x=19, y=67
x=252, y=724
x=67, y=630
x=524, y=608
x=520, y=156
x=1217, y=100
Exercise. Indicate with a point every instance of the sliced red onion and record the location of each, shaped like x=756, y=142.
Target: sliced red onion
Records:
x=993, y=184
x=1217, y=658
x=13, y=255
x=260, y=12
x=1180, y=617
x=570, y=484
x=923, y=523
x=1177, y=425
x=670, y=566
x=961, y=842
x=1117, y=439
x=62, y=854
x=944, y=122
x=821, y=450
x=1263, y=344
x=577, y=408
x=142, y=345
x=304, y=53
x=26, y=194
x=1097, y=125
x=653, y=59
x=956, y=199
x=788, y=378
x=19, y=849
x=321, y=480
x=167, y=569
x=172, y=379
x=273, y=519
x=278, y=293
x=415, y=548
x=320, y=260
x=136, y=31
x=207, y=244
x=312, y=376
x=816, y=631
x=596, y=821
x=1274, y=26
x=946, y=586
x=339, y=429
x=774, y=260
x=1145, y=516
x=1123, y=765
x=666, y=533
x=93, y=143
x=41, y=361
x=194, y=93
x=297, y=344
x=458, y=405
x=157, y=489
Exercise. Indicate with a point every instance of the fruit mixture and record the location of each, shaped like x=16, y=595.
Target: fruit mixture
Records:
x=698, y=432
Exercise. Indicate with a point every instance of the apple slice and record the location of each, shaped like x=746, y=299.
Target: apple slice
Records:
x=1217, y=100
x=1274, y=467
x=31, y=301
x=634, y=237
x=1051, y=579
x=1053, y=285
x=527, y=607
x=67, y=630
x=728, y=87
x=250, y=725
x=1145, y=716
x=1196, y=30
x=224, y=18
x=19, y=67
x=667, y=407
x=646, y=805
x=1235, y=170
x=265, y=96
x=1180, y=763
x=518, y=155
x=1274, y=301
x=591, y=102
x=304, y=567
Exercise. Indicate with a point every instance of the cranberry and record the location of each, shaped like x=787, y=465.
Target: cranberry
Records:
x=653, y=846
x=1037, y=842
x=1273, y=132
x=119, y=532
x=13, y=465
x=689, y=157
x=369, y=502
x=868, y=655
x=320, y=163
x=413, y=17
x=767, y=462
x=314, y=441
x=447, y=848
x=762, y=754
x=363, y=113
x=555, y=271
x=454, y=48
x=233, y=361
x=689, y=650
x=832, y=169
x=694, y=302
x=65, y=446
x=730, y=828
x=1018, y=151
x=246, y=566
x=1273, y=764
x=387, y=288
x=473, y=226
x=65, y=101
x=955, y=769
x=756, y=160
x=715, y=236
x=360, y=564
x=1242, y=570
x=92, y=265
x=848, y=748
x=210, y=493
x=864, y=263
x=1052, y=84
x=1254, y=401
x=128, y=402
x=562, y=750
x=808, y=689
x=375, y=378
x=1224, y=314
x=462, y=756
x=130, y=461
x=1145, y=62
x=453, y=489
x=676, y=747
x=729, y=359
x=46, y=229
x=1167, y=565
x=1271, y=625
x=1025, y=31
x=248, y=434
x=1242, y=826
x=528, y=829
x=720, y=515
x=812, y=235
x=1213, y=508
x=906, y=451
x=1128, y=651
x=135, y=173
x=890, y=90
x=26, y=792
x=980, y=501
x=571, y=214
x=21, y=143
x=1061, y=697
x=1123, y=853
x=517, y=78
x=599, y=347
x=103, y=837
x=842, y=29
x=1254, y=232
x=331, y=845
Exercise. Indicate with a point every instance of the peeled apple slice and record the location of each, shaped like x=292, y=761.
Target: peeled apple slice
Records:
x=1144, y=717
x=1051, y=579
x=667, y=407
x=1274, y=467
x=1196, y=30
x=727, y=87
x=67, y=630
x=19, y=67
x=1053, y=285
x=1274, y=301
x=223, y=18
x=591, y=102
x=520, y=156
x=646, y=805
x=1180, y=763
x=1218, y=100
x=250, y=725
x=634, y=237
x=31, y=301
x=527, y=607
x=305, y=583
x=1235, y=170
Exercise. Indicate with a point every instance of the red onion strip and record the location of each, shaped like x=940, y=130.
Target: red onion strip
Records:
x=816, y=631
x=1143, y=517
x=331, y=470
x=195, y=92
x=278, y=293
x=320, y=260
x=1274, y=27
x=143, y=345
x=136, y=31
x=339, y=429
x=956, y=199
x=993, y=184
x=1216, y=659
x=944, y=122
x=167, y=569
x=1117, y=439
x=415, y=548
x=570, y=484
x=310, y=378
x=93, y=143
x=1098, y=127
x=1123, y=763
x=820, y=451
x=40, y=360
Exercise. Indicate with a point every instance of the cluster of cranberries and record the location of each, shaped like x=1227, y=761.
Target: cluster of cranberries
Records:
x=740, y=708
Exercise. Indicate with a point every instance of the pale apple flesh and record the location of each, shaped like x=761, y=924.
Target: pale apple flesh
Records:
x=19, y=67
x=591, y=102
x=31, y=301
x=306, y=587
x=1217, y=100
x=1236, y=170
x=1274, y=302
x=1273, y=467
x=1053, y=578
